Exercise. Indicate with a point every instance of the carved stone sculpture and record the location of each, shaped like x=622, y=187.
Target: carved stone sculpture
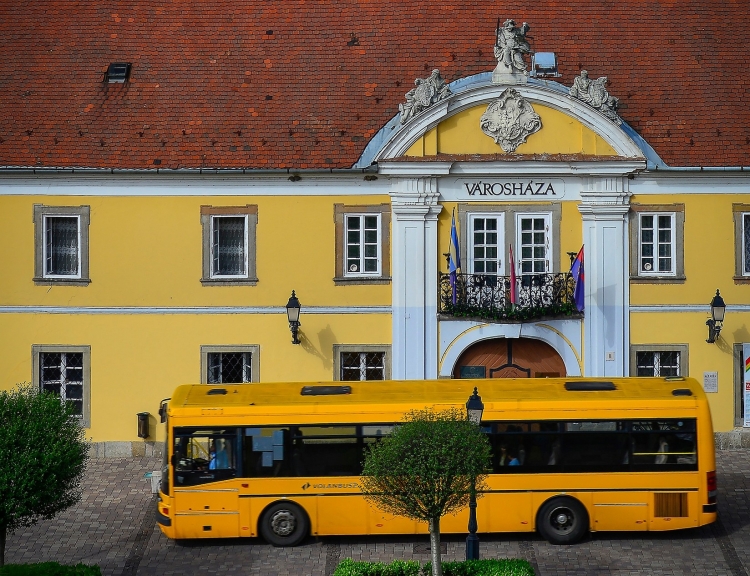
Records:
x=510, y=120
x=510, y=46
x=426, y=92
x=594, y=93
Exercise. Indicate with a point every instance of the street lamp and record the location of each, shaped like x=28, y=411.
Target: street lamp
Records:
x=292, y=314
x=474, y=409
x=717, y=318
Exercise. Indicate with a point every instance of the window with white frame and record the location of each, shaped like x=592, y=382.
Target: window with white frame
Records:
x=659, y=360
x=656, y=239
x=533, y=240
x=742, y=242
x=746, y=244
x=363, y=362
x=65, y=372
x=61, y=244
x=229, y=244
x=656, y=251
x=487, y=232
x=487, y=237
x=362, y=239
x=229, y=364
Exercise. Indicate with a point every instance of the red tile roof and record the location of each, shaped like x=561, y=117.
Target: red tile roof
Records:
x=306, y=84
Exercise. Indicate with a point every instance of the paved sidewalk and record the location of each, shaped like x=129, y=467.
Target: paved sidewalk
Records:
x=114, y=527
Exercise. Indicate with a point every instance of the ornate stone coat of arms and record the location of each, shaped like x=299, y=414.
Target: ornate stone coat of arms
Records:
x=510, y=120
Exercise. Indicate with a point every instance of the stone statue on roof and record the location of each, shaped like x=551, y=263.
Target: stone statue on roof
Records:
x=426, y=92
x=510, y=46
x=594, y=93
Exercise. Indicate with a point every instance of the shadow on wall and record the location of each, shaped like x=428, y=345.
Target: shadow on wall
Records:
x=326, y=340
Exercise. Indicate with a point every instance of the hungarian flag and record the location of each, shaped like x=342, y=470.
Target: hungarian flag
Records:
x=454, y=259
x=576, y=270
x=513, y=285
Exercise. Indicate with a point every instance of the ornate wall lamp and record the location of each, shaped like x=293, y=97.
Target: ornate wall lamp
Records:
x=717, y=318
x=292, y=314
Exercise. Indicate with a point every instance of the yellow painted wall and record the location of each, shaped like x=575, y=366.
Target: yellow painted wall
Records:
x=709, y=224
x=146, y=252
x=137, y=360
x=690, y=328
x=461, y=134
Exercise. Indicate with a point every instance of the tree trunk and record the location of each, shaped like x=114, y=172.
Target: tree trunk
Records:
x=437, y=566
x=3, y=533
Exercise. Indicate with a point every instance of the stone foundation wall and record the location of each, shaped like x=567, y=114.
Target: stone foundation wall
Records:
x=126, y=449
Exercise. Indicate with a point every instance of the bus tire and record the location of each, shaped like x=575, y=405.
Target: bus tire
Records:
x=284, y=524
x=562, y=520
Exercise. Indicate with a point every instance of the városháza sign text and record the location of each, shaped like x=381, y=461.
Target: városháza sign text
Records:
x=536, y=189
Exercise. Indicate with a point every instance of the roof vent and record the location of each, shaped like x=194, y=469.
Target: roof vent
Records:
x=588, y=386
x=325, y=390
x=682, y=392
x=544, y=64
x=118, y=72
x=216, y=392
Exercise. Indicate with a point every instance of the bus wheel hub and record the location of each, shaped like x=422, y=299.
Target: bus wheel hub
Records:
x=283, y=523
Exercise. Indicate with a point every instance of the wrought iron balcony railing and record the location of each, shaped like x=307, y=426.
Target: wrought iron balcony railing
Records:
x=488, y=297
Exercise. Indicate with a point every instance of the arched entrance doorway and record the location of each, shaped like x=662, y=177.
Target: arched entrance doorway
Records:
x=509, y=358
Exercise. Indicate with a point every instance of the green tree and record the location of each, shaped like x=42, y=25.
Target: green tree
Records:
x=43, y=455
x=426, y=469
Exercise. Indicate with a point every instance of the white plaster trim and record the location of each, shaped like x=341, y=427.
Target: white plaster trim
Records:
x=524, y=168
x=404, y=137
x=692, y=183
x=563, y=335
x=186, y=185
x=198, y=310
x=706, y=308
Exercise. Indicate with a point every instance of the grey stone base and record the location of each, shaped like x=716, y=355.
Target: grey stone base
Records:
x=733, y=440
x=126, y=449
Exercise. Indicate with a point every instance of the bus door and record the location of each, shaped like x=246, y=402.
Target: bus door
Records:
x=205, y=499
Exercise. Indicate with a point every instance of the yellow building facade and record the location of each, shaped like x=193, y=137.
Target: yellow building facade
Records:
x=120, y=285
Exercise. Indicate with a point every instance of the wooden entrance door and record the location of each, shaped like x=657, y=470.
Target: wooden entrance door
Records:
x=510, y=358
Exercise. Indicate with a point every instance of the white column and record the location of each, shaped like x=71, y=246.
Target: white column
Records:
x=606, y=338
x=414, y=247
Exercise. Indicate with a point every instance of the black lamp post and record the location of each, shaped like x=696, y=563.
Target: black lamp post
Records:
x=717, y=318
x=474, y=409
x=292, y=314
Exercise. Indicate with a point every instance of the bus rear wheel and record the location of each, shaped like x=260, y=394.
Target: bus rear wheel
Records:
x=562, y=520
x=284, y=524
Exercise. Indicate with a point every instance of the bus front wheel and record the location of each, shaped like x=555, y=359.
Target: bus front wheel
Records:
x=284, y=524
x=562, y=520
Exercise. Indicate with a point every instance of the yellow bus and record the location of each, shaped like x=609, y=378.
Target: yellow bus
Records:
x=570, y=455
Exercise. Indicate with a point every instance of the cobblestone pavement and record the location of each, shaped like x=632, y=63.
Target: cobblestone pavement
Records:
x=114, y=527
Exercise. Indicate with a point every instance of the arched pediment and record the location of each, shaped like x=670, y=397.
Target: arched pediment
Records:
x=452, y=126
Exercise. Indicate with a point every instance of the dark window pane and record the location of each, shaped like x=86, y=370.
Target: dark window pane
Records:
x=353, y=222
x=62, y=246
x=229, y=246
x=229, y=367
